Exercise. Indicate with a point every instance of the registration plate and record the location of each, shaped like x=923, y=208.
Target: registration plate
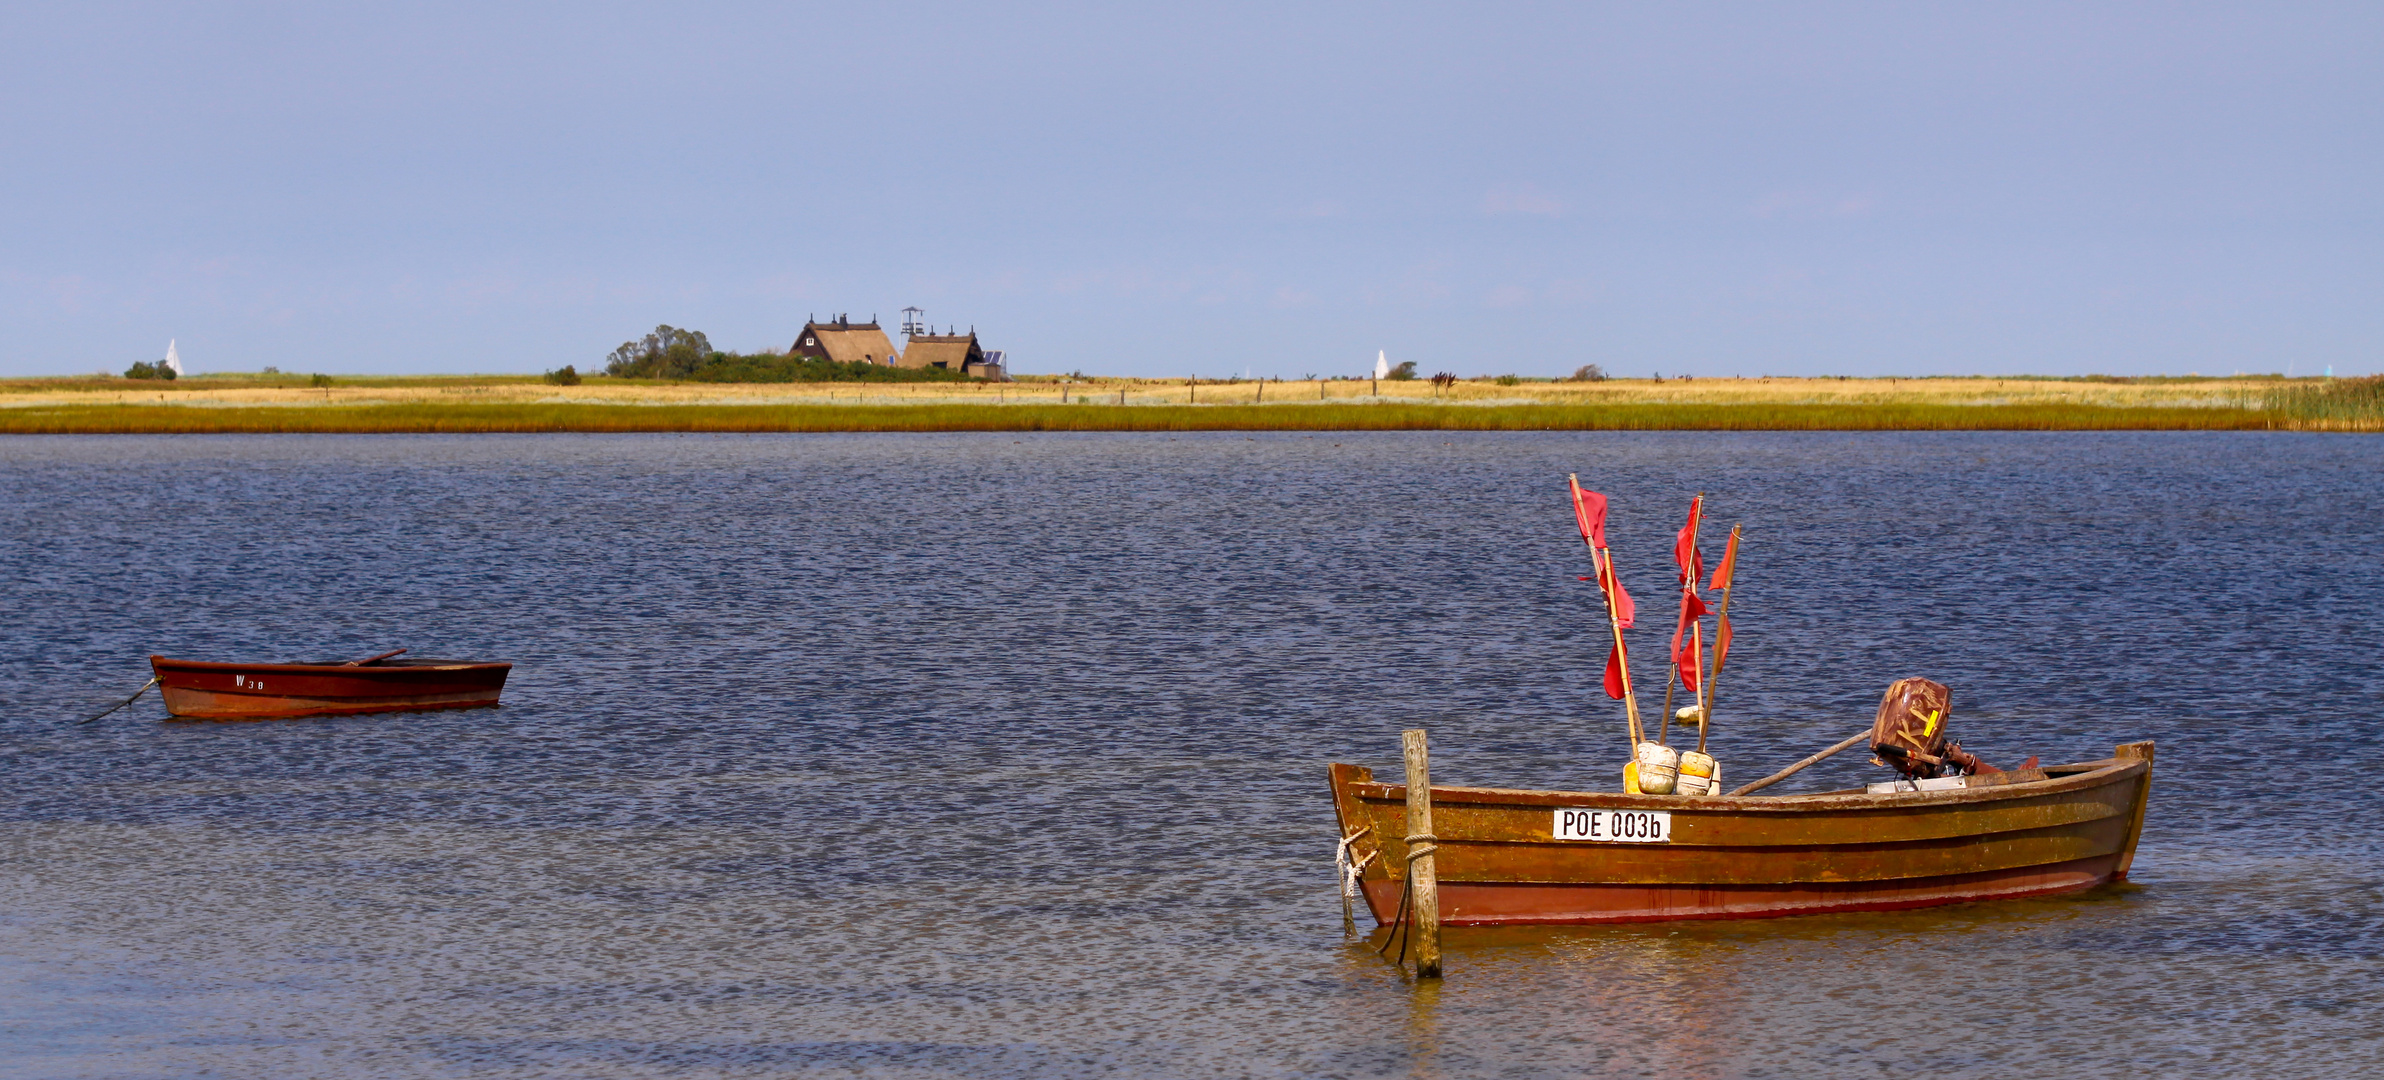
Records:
x=1614, y=826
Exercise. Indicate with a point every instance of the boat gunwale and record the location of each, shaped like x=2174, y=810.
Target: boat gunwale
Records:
x=2094, y=774
x=160, y=663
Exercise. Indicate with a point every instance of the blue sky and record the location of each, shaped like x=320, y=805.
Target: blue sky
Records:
x=1170, y=189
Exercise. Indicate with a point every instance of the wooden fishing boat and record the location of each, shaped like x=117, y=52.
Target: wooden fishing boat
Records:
x=1509, y=857
x=199, y=689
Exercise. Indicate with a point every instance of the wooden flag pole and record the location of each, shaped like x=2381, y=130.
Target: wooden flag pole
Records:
x=1729, y=559
x=1601, y=567
x=1664, y=724
x=1688, y=585
x=1630, y=696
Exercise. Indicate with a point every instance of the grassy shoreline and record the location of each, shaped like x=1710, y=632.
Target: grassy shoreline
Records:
x=492, y=404
x=530, y=417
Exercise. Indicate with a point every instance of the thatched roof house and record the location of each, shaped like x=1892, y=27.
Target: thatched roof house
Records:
x=954, y=352
x=846, y=342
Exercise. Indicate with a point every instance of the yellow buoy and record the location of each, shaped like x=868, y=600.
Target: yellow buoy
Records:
x=1699, y=774
x=1659, y=768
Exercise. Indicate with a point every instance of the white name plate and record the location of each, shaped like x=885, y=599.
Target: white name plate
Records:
x=1614, y=826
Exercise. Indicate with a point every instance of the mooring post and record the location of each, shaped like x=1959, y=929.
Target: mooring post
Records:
x=1421, y=845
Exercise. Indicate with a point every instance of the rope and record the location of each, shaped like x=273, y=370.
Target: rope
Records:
x=1418, y=846
x=1398, y=927
x=127, y=701
x=1348, y=870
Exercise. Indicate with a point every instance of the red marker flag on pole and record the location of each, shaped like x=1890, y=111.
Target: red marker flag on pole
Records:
x=1624, y=610
x=1721, y=580
x=1589, y=510
x=1696, y=662
x=1692, y=567
x=1684, y=548
x=1684, y=652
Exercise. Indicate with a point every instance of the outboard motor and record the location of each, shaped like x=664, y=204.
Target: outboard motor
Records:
x=1909, y=733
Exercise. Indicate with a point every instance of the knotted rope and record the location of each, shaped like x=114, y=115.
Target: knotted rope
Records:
x=1418, y=846
x=1349, y=870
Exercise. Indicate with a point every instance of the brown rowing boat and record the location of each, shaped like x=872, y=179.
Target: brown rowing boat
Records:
x=1509, y=857
x=203, y=690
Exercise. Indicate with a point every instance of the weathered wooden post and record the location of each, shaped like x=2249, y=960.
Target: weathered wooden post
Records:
x=1422, y=879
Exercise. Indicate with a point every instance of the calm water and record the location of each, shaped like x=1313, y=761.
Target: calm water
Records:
x=995, y=756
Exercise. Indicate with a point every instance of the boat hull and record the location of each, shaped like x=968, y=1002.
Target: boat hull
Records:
x=1500, y=863
x=202, y=690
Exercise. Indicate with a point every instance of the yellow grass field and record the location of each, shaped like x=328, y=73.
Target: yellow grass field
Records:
x=206, y=404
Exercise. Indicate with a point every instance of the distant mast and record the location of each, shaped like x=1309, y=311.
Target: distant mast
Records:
x=1382, y=365
x=173, y=359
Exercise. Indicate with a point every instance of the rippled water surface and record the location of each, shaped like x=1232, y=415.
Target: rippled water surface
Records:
x=1003, y=756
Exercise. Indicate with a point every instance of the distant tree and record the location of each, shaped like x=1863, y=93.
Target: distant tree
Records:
x=150, y=371
x=567, y=375
x=1403, y=372
x=667, y=353
x=319, y=379
x=1589, y=373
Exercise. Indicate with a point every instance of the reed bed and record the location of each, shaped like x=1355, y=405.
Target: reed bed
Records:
x=496, y=417
x=2347, y=405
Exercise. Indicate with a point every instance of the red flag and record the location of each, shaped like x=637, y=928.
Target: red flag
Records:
x=1691, y=609
x=1616, y=685
x=1589, y=511
x=1692, y=567
x=1721, y=578
x=1684, y=547
x=1624, y=610
x=1721, y=642
x=1692, y=667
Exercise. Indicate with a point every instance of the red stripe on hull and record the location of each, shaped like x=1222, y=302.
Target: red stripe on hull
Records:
x=1508, y=904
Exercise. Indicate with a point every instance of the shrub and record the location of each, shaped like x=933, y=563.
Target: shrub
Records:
x=667, y=353
x=149, y=371
x=567, y=375
x=1403, y=372
x=1589, y=373
x=766, y=367
x=1508, y=380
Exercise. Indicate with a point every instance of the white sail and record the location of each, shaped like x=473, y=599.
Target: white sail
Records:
x=1382, y=365
x=173, y=359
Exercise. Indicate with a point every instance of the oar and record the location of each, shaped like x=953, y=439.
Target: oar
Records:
x=372, y=659
x=127, y=701
x=1792, y=770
